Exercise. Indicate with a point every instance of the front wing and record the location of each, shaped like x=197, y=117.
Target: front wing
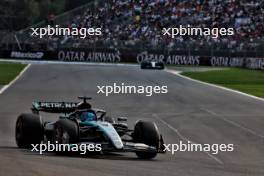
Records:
x=128, y=147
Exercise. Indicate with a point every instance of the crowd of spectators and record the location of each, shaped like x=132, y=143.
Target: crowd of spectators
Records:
x=139, y=23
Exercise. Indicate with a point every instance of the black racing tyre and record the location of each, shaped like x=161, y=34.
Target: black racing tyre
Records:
x=162, y=67
x=66, y=132
x=29, y=130
x=147, y=133
x=143, y=65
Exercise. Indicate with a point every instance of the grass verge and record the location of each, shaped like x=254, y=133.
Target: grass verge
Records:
x=247, y=81
x=8, y=71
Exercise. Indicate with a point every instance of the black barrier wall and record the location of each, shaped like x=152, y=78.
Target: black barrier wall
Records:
x=126, y=56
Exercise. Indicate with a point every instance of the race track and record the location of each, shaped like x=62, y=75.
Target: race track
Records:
x=190, y=111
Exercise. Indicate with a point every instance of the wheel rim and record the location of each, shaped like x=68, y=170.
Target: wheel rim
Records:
x=65, y=137
x=61, y=136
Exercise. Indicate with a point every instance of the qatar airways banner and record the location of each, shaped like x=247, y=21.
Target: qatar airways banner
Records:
x=170, y=59
x=116, y=56
x=90, y=56
x=254, y=63
x=251, y=63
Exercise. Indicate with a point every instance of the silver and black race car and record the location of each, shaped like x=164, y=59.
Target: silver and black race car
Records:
x=82, y=124
x=152, y=65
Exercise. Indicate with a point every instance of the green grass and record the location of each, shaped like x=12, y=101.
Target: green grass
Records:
x=248, y=81
x=8, y=71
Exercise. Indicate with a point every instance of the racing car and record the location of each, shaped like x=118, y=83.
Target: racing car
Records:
x=152, y=65
x=73, y=128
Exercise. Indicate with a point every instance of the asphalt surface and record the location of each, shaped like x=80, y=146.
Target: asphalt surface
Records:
x=189, y=110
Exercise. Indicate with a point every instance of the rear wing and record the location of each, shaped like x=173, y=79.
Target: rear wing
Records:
x=54, y=107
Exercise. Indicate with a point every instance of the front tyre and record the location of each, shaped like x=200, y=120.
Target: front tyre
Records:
x=66, y=132
x=147, y=133
x=29, y=130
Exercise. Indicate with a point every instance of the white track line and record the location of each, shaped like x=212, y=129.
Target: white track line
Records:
x=186, y=139
x=234, y=123
x=14, y=80
x=213, y=85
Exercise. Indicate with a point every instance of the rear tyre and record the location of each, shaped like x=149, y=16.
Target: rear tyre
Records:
x=143, y=66
x=147, y=133
x=29, y=130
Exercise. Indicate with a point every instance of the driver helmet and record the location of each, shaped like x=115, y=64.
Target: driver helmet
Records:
x=87, y=116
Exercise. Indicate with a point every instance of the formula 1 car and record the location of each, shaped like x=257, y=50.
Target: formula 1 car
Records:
x=72, y=128
x=152, y=65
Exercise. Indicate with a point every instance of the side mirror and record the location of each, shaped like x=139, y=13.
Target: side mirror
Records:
x=121, y=119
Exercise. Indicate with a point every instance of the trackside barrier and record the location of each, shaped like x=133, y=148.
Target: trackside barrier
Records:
x=125, y=56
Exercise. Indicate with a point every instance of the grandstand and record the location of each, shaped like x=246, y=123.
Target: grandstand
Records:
x=138, y=24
